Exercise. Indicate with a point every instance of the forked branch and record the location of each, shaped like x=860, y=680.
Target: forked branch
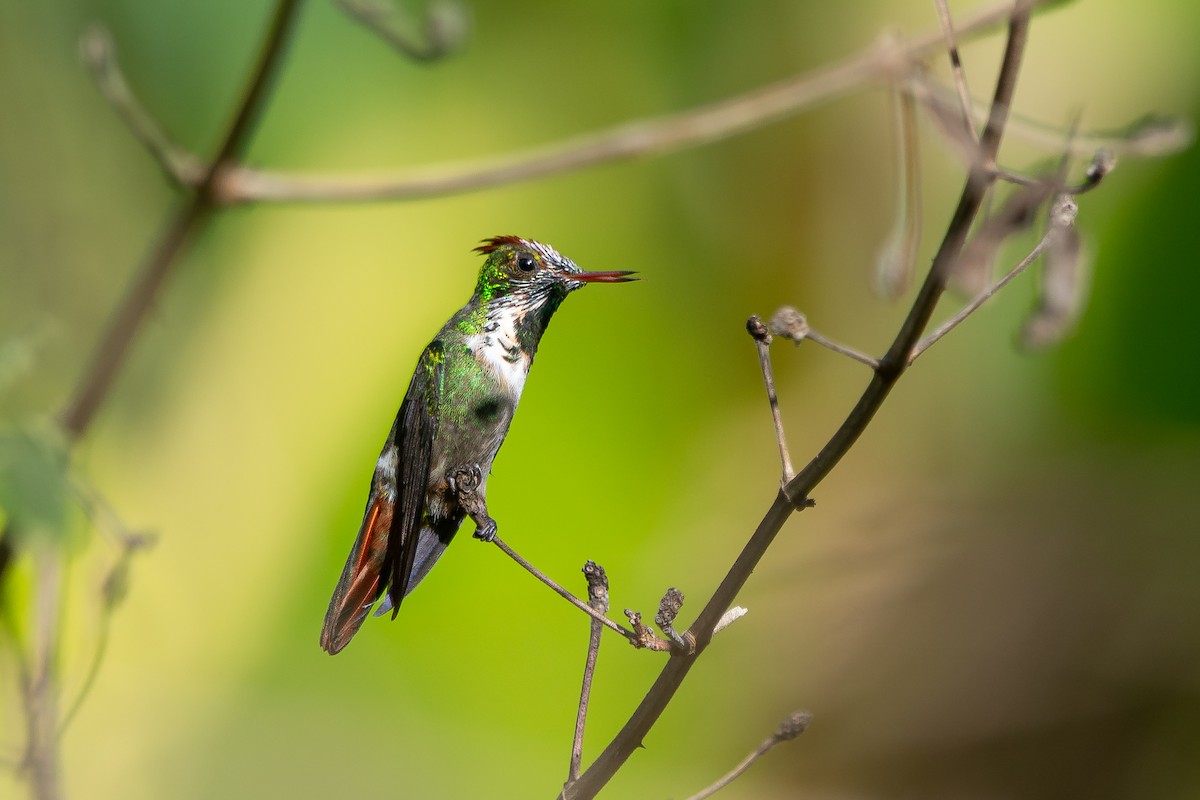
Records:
x=796, y=493
x=116, y=340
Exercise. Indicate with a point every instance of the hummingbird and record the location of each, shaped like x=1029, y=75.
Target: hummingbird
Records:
x=433, y=470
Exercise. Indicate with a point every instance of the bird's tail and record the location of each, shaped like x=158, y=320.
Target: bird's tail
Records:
x=362, y=580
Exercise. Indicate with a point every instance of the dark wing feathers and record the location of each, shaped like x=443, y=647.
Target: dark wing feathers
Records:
x=418, y=425
x=385, y=549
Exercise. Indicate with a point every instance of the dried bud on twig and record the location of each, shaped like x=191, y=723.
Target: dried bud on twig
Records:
x=795, y=724
x=668, y=609
x=757, y=329
x=790, y=324
x=1102, y=163
x=597, y=583
x=644, y=634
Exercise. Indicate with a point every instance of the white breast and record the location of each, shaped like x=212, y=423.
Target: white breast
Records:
x=496, y=347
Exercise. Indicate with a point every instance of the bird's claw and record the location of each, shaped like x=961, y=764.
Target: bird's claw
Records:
x=485, y=527
x=464, y=483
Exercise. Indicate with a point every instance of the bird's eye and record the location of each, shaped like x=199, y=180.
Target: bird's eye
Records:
x=525, y=262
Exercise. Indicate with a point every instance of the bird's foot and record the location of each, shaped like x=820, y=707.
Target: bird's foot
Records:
x=464, y=483
x=485, y=527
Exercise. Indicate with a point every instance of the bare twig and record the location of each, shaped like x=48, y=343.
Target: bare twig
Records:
x=795, y=494
x=645, y=635
x=1147, y=137
x=1063, y=279
x=702, y=125
x=981, y=298
x=762, y=342
x=41, y=689
x=7, y=551
x=789, y=729
x=111, y=593
x=844, y=350
x=956, y=68
x=445, y=26
x=100, y=58
x=791, y=324
x=115, y=343
x=597, y=583
x=565, y=594
x=41, y=760
x=886, y=61
x=975, y=267
x=897, y=258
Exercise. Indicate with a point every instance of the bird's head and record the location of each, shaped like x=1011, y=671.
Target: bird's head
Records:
x=533, y=273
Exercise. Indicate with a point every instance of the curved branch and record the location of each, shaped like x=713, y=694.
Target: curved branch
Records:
x=882, y=60
x=795, y=494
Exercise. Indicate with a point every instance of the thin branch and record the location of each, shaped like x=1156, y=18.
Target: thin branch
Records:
x=844, y=350
x=250, y=109
x=445, y=26
x=100, y=57
x=597, y=583
x=723, y=119
x=762, y=342
x=112, y=591
x=116, y=341
x=789, y=729
x=7, y=550
x=956, y=68
x=1147, y=137
x=40, y=686
x=565, y=594
x=123, y=326
x=709, y=123
x=795, y=495
x=898, y=257
x=1064, y=276
x=987, y=294
x=791, y=324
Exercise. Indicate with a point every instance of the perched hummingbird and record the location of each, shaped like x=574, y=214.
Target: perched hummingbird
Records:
x=434, y=466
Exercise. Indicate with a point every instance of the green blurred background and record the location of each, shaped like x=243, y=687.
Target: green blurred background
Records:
x=996, y=595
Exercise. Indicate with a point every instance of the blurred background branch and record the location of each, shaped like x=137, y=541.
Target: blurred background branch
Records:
x=182, y=225
x=795, y=724
x=887, y=60
x=41, y=690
